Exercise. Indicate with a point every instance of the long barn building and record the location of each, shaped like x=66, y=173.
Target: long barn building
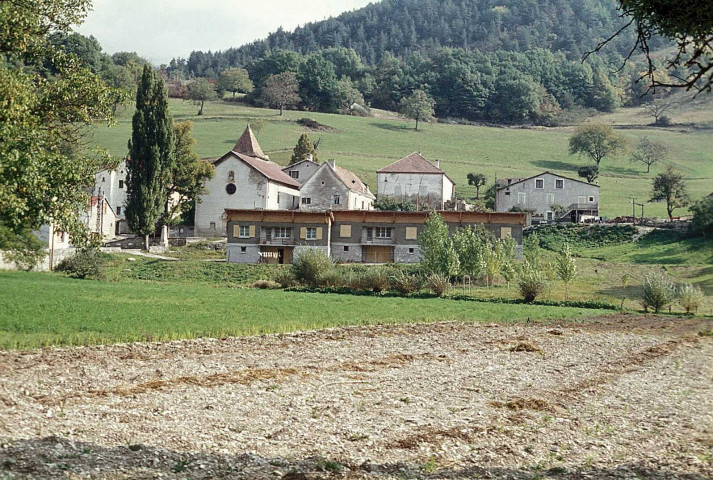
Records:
x=263, y=236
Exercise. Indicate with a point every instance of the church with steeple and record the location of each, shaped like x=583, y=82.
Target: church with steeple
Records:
x=245, y=178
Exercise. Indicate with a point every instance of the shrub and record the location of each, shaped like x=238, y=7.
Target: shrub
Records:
x=285, y=278
x=532, y=283
x=378, y=279
x=265, y=284
x=690, y=297
x=331, y=278
x=657, y=291
x=309, y=265
x=84, y=263
x=438, y=284
x=664, y=121
x=405, y=283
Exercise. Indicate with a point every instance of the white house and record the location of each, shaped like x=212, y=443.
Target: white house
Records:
x=548, y=197
x=111, y=184
x=415, y=179
x=335, y=188
x=245, y=178
x=301, y=171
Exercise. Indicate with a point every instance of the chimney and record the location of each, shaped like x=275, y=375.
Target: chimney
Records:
x=331, y=162
x=309, y=157
x=437, y=163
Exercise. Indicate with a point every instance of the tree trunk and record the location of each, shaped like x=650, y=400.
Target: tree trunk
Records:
x=233, y=93
x=146, y=242
x=280, y=109
x=648, y=168
x=200, y=112
x=417, y=124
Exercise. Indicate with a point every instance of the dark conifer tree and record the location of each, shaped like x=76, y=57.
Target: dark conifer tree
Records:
x=151, y=156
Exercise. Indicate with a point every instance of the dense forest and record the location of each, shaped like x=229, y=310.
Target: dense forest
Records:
x=499, y=61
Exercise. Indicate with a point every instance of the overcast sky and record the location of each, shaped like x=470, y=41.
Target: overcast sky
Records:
x=163, y=29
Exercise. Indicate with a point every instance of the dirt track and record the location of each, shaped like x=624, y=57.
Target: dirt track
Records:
x=615, y=397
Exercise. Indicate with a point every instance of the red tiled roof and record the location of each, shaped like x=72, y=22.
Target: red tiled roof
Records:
x=414, y=163
x=351, y=180
x=269, y=169
x=247, y=145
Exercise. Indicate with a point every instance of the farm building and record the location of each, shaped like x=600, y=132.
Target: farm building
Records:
x=366, y=236
x=332, y=187
x=416, y=180
x=548, y=197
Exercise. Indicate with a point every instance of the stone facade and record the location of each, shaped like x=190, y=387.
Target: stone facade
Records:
x=416, y=180
x=349, y=236
x=334, y=188
x=301, y=171
x=538, y=195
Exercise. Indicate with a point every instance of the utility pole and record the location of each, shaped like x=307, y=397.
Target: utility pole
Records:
x=633, y=211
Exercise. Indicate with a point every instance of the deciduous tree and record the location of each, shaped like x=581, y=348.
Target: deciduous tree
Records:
x=702, y=222
x=477, y=180
x=590, y=173
x=670, y=186
x=280, y=91
x=200, y=91
x=596, y=142
x=418, y=106
x=44, y=169
x=439, y=256
x=151, y=156
x=235, y=80
x=648, y=152
x=566, y=268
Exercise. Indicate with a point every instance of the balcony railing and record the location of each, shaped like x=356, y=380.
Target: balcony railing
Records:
x=265, y=240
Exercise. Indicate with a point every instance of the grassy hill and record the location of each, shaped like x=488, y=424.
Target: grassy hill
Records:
x=364, y=145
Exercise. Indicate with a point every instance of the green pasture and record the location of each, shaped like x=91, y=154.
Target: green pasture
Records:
x=39, y=309
x=364, y=145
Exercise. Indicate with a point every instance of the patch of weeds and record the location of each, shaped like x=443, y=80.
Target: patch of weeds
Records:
x=272, y=388
x=356, y=437
x=430, y=466
x=526, y=347
x=181, y=466
x=135, y=447
x=405, y=400
x=557, y=471
x=547, y=419
x=87, y=451
x=706, y=332
x=529, y=449
x=326, y=465
x=523, y=404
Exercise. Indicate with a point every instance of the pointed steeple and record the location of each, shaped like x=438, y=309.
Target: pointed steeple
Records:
x=247, y=145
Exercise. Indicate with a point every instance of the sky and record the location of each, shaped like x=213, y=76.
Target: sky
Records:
x=160, y=30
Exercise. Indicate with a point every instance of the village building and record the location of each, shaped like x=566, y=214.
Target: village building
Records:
x=332, y=187
x=414, y=179
x=548, y=197
x=366, y=236
x=245, y=178
x=302, y=170
x=100, y=217
x=111, y=184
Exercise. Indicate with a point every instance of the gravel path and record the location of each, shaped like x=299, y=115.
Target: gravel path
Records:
x=615, y=397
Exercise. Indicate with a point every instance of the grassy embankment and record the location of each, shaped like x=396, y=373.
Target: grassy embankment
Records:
x=366, y=144
x=44, y=309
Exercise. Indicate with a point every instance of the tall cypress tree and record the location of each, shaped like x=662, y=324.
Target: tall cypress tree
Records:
x=151, y=156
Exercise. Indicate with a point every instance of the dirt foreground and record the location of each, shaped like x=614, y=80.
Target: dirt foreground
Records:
x=613, y=397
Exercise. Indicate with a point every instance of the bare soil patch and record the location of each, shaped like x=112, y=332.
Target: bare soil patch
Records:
x=611, y=397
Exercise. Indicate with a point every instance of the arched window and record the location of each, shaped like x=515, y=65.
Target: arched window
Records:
x=231, y=176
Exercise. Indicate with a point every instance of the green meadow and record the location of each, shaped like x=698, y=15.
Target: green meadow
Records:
x=38, y=309
x=364, y=145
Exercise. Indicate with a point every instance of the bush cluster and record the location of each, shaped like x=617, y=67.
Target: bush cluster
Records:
x=84, y=263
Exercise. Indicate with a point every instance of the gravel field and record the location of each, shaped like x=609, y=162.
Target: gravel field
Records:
x=610, y=397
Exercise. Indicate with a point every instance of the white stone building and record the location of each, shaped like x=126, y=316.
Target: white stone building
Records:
x=332, y=187
x=302, y=171
x=245, y=178
x=416, y=180
x=112, y=185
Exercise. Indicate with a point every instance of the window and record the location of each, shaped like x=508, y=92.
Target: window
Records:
x=382, y=232
x=581, y=199
x=362, y=204
x=550, y=198
x=306, y=201
x=244, y=231
x=243, y=249
x=294, y=174
x=283, y=232
x=346, y=248
x=345, y=231
x=591, y=199
x=337, y=200
x=118, y=210
x=231, y=176
x=231, y=188
x=549, y=216
x=121, y=184
x=103, y=180
x=411, y=233
x=539, y=183
x=559, y=183
x=521, y=197
x=212, y=225
x=505, y=232
x=311, y=233
x=411, y=250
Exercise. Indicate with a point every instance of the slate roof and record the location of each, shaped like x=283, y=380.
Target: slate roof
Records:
x=247, y=145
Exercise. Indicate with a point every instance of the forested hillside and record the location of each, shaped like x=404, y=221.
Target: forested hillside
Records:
x=499, y=61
